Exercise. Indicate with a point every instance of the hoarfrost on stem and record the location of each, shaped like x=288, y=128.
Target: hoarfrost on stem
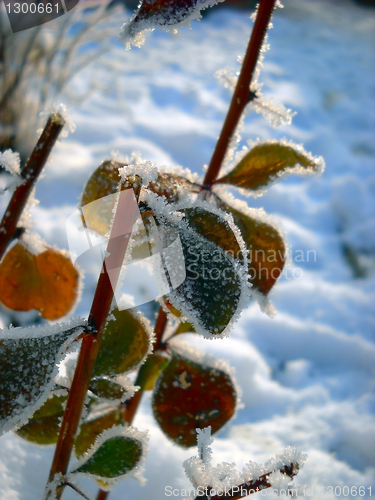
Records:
x=12, y=164
x=10, y=161
x=225, y=476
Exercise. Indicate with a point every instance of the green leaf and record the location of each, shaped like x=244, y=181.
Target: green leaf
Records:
x=190, y=395
x=117, y=452
x=44, y=425
x=216, y=281
x=91, y=430
x=125, y=343
x=107, y=389
x=150, y=370
x=266, y=162
x=28, y=365
x=266, y=249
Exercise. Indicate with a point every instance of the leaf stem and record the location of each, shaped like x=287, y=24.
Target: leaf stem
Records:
x=241, y=94
x=102, y=495
x=29, y=175
x=76, y=490
x=123, y=222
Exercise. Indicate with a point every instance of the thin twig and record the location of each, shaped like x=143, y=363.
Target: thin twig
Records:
x=29, y=174
x=66, y=483
x=102, y=495
x=241, y=94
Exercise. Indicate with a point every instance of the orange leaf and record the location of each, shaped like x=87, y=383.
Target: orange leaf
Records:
x=46, y=282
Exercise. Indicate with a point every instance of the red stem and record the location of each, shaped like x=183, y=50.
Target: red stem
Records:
x=116, y=249
x=102, y=495
x=241, y=94
x=29, y=174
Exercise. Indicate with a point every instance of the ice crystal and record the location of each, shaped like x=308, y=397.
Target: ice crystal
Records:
x=275, y=112
x=10, y=161
x=225, y=476
x=146, y=171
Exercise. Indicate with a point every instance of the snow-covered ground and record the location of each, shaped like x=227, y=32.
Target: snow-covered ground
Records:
x=306, y=375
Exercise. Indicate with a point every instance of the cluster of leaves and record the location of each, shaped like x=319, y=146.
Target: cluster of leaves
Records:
x=186, y=394
x=189, y=391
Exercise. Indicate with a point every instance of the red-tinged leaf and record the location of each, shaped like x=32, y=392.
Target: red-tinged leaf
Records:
x=266, y=162
x=158, y=13
x=47, y=282
x=171, y=308
x=189, y=395
x=172, y=186
x=266, y=249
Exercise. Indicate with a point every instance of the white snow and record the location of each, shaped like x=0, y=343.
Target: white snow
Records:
x=307, y=374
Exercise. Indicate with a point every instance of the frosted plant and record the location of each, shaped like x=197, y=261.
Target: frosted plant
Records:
x=231, y=254
x=224, y=480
